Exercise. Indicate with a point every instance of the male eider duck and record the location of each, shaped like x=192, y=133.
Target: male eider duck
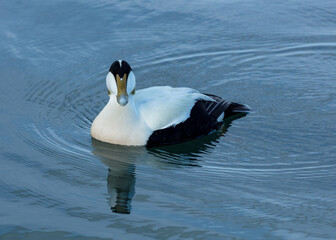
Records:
x=157, y=115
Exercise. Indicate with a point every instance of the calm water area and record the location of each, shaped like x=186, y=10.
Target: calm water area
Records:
x=270, y=175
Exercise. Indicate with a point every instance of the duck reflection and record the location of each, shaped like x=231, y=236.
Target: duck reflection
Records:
x=121, y=189
x=121, y=162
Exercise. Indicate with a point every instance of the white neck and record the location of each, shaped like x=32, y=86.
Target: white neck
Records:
x=127, y=109
x=120, y=124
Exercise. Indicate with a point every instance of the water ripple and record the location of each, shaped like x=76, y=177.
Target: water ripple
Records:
x=270, y=175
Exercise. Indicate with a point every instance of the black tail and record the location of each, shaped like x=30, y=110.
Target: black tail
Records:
x=231, y=110
x=236, y=110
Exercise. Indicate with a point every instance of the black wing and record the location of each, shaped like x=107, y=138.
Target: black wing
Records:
x=205, y=117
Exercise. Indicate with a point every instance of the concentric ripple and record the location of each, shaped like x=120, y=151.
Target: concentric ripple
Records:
x=269, y=175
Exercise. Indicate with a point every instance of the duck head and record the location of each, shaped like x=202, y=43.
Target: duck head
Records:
x=120, y=81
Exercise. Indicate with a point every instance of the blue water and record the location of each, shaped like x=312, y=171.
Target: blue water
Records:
x=270, y=175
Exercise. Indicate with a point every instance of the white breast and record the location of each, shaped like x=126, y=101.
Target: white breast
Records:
x=120, y=125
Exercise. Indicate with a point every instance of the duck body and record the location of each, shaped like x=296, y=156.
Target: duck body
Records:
x=157, y=115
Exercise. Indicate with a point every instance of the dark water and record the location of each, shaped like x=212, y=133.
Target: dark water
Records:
x=271, y=175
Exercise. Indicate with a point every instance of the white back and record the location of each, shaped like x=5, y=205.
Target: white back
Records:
x=165, y=106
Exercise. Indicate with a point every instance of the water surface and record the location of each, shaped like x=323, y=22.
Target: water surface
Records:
x=270, y=175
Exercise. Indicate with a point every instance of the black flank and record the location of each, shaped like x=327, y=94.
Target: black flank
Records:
x=202, y=121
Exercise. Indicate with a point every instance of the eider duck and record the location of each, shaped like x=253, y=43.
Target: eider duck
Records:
x=159, y=115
